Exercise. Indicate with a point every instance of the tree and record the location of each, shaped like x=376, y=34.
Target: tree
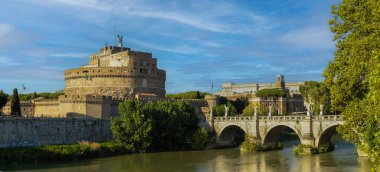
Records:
x=239, y=105
x=274, y=92
x=15, y=103
x=316, y=94
x=187, y=95
x=198, y=95
x=200, y=139
x=221, y=109
x=160, y=125
x=353, y=76
x=3, y=99
x=249, y=110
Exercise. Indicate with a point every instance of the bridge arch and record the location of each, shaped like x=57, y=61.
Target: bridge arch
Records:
x=273, y=133
x=231, y=135
x=324, y=139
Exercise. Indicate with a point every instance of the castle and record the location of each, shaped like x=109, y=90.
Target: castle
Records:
x=94, y=90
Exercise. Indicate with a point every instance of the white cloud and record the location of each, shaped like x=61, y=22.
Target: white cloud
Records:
x=92, y=4
x=69, y=55
x=183, y=49
x=309, y=37
x=5, y=29
x=10, y=37
x=6, y=61
x=205, y=18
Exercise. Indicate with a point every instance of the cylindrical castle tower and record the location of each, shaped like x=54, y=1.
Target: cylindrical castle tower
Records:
x=117, y=72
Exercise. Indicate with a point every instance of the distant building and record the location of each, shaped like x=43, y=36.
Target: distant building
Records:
x=282, y=105
x=27, y=109
x=236, y=90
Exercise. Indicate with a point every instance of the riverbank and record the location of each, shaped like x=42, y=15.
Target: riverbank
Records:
x=60, y=153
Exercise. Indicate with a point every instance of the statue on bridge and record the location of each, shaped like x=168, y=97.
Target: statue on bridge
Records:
x=270, y=111
x=226, y=109
x=321, y=109
x=308, y=109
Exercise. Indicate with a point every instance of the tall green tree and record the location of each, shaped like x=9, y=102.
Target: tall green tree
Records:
x=316, y=94
x=3, y=99
x=353, y=77
x=132, y=127
x=15, y=103
x=161, y=125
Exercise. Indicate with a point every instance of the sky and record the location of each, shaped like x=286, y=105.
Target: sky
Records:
x=197, y=42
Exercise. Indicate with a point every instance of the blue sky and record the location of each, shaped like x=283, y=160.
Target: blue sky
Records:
x=197, y=42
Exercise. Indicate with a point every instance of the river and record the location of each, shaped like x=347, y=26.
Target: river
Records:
x=342, y=159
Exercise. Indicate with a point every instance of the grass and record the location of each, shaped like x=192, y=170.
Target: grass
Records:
x=54, y=153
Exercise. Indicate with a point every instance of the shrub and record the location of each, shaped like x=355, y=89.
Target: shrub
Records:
x=200, y=139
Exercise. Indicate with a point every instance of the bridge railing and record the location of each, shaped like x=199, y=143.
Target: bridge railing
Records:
x=329, y=117
x=235, y=118
x=279, y=118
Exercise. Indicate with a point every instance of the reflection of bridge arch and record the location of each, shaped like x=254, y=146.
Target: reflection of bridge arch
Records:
x=231, y=134
x=273, y=133
x=324, y=139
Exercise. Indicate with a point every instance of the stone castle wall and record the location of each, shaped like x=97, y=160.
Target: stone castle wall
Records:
x=114, y=81
x=47, y=108
x=44, y=131
x=93, y=106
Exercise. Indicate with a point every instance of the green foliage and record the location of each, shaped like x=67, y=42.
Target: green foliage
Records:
x=200, y=139
x=161, y=125
x=15, y=103
x=187, y=95
x=46, y=95
x=353, y=75
x=249, y=145
x=221, y=109
x=132, y=127
x=54, y=153
x=240, y=105
x=274, y=92
x=302, y=149
x=3, y=99
x=236, y=106
x=316, y=94
x=250, y=110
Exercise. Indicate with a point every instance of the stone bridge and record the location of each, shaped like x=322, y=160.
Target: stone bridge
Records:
x=315, y=131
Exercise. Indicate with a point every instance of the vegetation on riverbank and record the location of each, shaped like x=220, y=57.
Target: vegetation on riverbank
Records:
x=249, y=145
x=200, y=139
x=154, y=126
x=302, y=149
x=54, y=153
x=353, y=76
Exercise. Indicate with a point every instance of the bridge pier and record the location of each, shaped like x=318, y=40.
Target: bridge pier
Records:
x=307, y=137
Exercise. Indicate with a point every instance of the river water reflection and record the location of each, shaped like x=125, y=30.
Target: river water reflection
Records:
x=342, y=159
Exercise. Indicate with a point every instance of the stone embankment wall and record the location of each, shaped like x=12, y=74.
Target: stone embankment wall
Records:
x=44, y=131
